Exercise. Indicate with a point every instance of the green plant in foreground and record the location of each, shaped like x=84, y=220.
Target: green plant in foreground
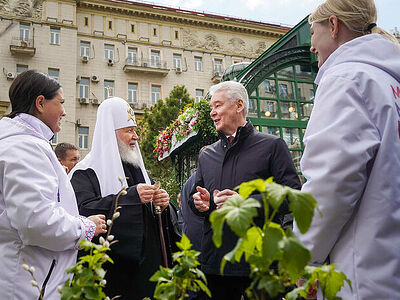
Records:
x=88, y=280
x=173, y=284
x=261, y=246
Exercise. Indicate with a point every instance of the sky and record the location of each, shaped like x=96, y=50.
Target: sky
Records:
x=284, y=12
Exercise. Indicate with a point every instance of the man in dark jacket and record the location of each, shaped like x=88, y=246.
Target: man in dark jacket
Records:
x=114, y=160
x=242, y=154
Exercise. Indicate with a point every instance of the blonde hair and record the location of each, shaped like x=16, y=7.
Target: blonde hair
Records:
x=356, y=15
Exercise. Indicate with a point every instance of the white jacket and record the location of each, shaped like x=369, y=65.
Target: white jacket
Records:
x=352, y=166
x=39, y=219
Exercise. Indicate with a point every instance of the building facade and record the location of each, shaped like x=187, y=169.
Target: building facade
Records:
x=132, y=50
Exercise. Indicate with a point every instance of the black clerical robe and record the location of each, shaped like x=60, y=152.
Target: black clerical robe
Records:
x=137, y=255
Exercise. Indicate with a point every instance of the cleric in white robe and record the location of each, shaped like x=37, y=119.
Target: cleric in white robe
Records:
x=115, y=155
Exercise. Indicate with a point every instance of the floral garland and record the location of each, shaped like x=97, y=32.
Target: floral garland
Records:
x=186, y=123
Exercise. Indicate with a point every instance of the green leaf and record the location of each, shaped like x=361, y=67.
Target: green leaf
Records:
x=295, y=257
x=272, y=237
x=330, y=280
x=234, y=254
x=270, y=285
x=217, y=219
x=276, y=193
x=203, y=287
x=241, y=213
x=184, y=244
x=302, y=205
x=294, y=294
x=247, y=188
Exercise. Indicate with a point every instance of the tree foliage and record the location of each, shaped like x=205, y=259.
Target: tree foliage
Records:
x=160, y=116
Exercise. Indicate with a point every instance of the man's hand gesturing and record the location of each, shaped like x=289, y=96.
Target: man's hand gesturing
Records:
x=201, y=199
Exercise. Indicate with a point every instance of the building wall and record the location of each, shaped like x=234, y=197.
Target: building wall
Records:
x=125, y=25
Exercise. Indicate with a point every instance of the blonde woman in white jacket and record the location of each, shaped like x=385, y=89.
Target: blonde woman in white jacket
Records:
x=352, y=154
x=39, y=220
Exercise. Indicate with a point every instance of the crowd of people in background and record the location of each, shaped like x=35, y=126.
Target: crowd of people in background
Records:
x=50, y=200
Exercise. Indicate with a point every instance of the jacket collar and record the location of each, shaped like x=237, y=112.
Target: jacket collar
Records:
x=241, y=133
x=35, y=125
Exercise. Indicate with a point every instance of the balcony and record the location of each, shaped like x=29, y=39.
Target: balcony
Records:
x=21, y=46
x=146, y=66
x=216, y=78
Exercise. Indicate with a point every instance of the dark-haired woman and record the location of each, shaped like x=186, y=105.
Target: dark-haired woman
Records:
x=39, y=220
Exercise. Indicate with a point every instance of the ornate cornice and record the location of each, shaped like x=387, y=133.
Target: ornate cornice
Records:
x=157, y=13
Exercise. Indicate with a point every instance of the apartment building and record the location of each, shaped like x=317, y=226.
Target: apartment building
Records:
x=137, y=51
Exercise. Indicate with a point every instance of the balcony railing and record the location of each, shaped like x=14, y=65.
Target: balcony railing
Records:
x=22, y=46
x=146, y=66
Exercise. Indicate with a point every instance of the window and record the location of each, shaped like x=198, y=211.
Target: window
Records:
x=83, y=137
x=84, y=88
x=21, y=68
x=155, y=93
x=54, y=36
x=199, y=95
x=132, y=55
x=132, y=92
x=155, y=58
x=108, y=89
x=133, y=28
x=86, y=21
x=218, y=67
x=286, y=90
x=198, y=64
x=24, y=31
x=108, y=51
x=154, y=31
x=268, y=109
x=177, y=60
x=54, y=73
x=85, y=49
x=109, y=24
x=176, y=34
x=53, y=141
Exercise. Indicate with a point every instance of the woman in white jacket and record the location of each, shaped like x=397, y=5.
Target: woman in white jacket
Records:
x=352, y=154
x=39, y=220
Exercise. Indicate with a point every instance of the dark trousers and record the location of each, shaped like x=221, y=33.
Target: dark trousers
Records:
x=227, y=287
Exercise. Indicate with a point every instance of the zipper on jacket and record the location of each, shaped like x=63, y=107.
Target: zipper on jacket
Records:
x=42, y=290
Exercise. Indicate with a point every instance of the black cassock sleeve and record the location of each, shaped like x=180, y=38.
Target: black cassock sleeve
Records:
x=128, y=228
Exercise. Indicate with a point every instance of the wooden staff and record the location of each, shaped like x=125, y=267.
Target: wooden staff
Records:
x=157, y=210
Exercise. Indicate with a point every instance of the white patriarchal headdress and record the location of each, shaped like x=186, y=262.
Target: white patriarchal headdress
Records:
x=104, y=158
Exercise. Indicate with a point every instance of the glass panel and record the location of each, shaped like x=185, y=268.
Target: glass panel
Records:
x=83, y=130
x=269, y=109
x=286, y=90
x=286, y=73
x=253, y=108
x=296, y=156
x=85, y=47
x=21, y=68
x=218, y=66
x=132, y=55
x=304, y=73
x=306, y=91
x=197, y=63
x=292, y=137
x=289, y=110
x=54, y=73
x=254, y=94
x=177, y=60
x=132, y=92
x=271, y=130
x=305, y=109
x=267, y=88
x=108, y=89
